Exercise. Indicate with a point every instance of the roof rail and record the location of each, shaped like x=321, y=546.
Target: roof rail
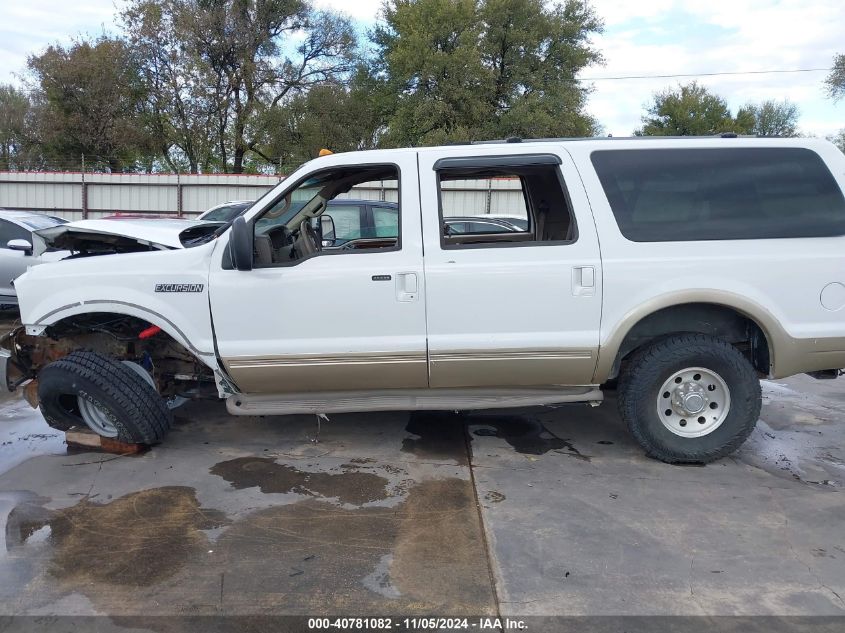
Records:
x=517, y=139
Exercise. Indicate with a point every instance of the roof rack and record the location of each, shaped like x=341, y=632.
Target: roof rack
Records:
x=517, y=139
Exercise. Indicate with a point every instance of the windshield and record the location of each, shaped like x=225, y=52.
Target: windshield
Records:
x=36, y=222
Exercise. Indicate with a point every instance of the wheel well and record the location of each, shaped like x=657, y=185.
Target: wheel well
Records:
x=118, y=336
x=705, y=318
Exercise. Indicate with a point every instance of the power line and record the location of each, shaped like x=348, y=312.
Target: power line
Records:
x=627, y=77
x=714, y=74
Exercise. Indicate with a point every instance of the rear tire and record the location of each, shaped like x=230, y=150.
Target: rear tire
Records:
x=713, y=400
x=123, y=400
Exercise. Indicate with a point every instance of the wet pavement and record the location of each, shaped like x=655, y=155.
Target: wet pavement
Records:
x=535, y=512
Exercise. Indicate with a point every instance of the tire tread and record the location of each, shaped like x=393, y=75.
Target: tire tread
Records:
x=140, y=406
x=641, y=369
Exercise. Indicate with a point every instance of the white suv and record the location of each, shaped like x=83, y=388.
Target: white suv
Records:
x=683, y=269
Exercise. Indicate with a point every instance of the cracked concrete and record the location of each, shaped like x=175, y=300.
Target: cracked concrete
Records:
x=539, y=512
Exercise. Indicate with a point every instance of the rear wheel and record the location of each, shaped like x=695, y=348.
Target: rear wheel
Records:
x=689, y=398
x=114, y=399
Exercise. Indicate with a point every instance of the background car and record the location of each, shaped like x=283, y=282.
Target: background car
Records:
x=353, y=219
x=226, y=212
x=483, y=224
x=16, y=241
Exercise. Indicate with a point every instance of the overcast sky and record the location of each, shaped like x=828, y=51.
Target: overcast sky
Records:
x=641, y=38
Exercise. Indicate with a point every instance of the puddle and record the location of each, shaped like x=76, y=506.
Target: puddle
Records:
x=137, y=540
x=24, y=434
x=426, y=555
x=525, y=435
x=803, y=454
x=269, y=476
x=147, y=553
x=440, y=435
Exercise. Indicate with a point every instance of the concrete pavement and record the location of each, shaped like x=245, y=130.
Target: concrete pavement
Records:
x=542, y=512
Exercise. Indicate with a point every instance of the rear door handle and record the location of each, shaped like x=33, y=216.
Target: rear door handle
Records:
x=407, y=287
x=583, y=281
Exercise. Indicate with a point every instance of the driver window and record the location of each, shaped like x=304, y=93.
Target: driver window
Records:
x=327, y=214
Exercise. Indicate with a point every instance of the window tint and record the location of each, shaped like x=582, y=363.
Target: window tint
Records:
x=495, y=205
x=660, y=195
x=385, y=221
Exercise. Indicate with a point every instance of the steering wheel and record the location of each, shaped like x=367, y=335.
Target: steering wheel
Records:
x=309, y=244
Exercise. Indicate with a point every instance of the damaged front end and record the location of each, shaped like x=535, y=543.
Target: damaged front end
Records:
x=86, y=238
x=175, y=371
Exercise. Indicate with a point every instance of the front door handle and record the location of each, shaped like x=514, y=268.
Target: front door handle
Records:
x=407, y=287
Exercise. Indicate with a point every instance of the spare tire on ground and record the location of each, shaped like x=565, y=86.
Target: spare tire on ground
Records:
x=111, y=398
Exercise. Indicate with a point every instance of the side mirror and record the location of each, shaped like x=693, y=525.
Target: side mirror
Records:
x=20, y=245
x=241, y=244
x=327, y=230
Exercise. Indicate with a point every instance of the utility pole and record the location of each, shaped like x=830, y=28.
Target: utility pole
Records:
x=84, y=192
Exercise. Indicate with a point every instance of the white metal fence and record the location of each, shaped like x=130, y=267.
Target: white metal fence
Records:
x=75, y=195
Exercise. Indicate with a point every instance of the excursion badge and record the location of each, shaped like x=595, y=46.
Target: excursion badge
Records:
x=179, y=287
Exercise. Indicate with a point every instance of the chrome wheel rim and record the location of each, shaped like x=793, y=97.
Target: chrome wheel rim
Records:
x=96, y=417
x=693, y=402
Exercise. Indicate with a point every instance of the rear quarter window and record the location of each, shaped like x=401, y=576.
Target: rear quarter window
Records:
x=661, y=195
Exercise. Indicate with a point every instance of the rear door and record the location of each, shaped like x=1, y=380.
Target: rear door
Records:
x=517, y=308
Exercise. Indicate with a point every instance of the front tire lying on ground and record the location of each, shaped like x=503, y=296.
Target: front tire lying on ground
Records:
x=114, y=400
x=689, y=398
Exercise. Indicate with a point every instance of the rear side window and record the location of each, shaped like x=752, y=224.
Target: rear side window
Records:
x=664, y=195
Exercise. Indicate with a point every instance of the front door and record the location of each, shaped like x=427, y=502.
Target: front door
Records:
x=350, y=318
x=512, y=266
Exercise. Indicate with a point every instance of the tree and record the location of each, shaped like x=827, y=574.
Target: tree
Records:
x=15, y=140
x=838, y=139
x=692, y=110
x=463, y=69
x=329, y=116
x=534, y=53
x=835, y=81
x=220, y=64
x=183, y=104
x=771, y=118
x=92, y=95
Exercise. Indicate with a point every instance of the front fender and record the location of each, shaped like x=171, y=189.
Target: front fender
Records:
x=165, y=288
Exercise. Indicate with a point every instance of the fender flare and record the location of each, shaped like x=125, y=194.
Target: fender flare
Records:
x=778, y=341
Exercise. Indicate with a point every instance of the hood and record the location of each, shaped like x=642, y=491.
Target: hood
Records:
x=125, y=235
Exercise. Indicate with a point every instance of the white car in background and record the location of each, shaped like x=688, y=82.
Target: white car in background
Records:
x=16, y=252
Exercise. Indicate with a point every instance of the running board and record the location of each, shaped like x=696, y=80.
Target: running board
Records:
x=407, y=400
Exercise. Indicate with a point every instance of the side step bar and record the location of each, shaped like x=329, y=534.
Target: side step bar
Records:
x=407, y=400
